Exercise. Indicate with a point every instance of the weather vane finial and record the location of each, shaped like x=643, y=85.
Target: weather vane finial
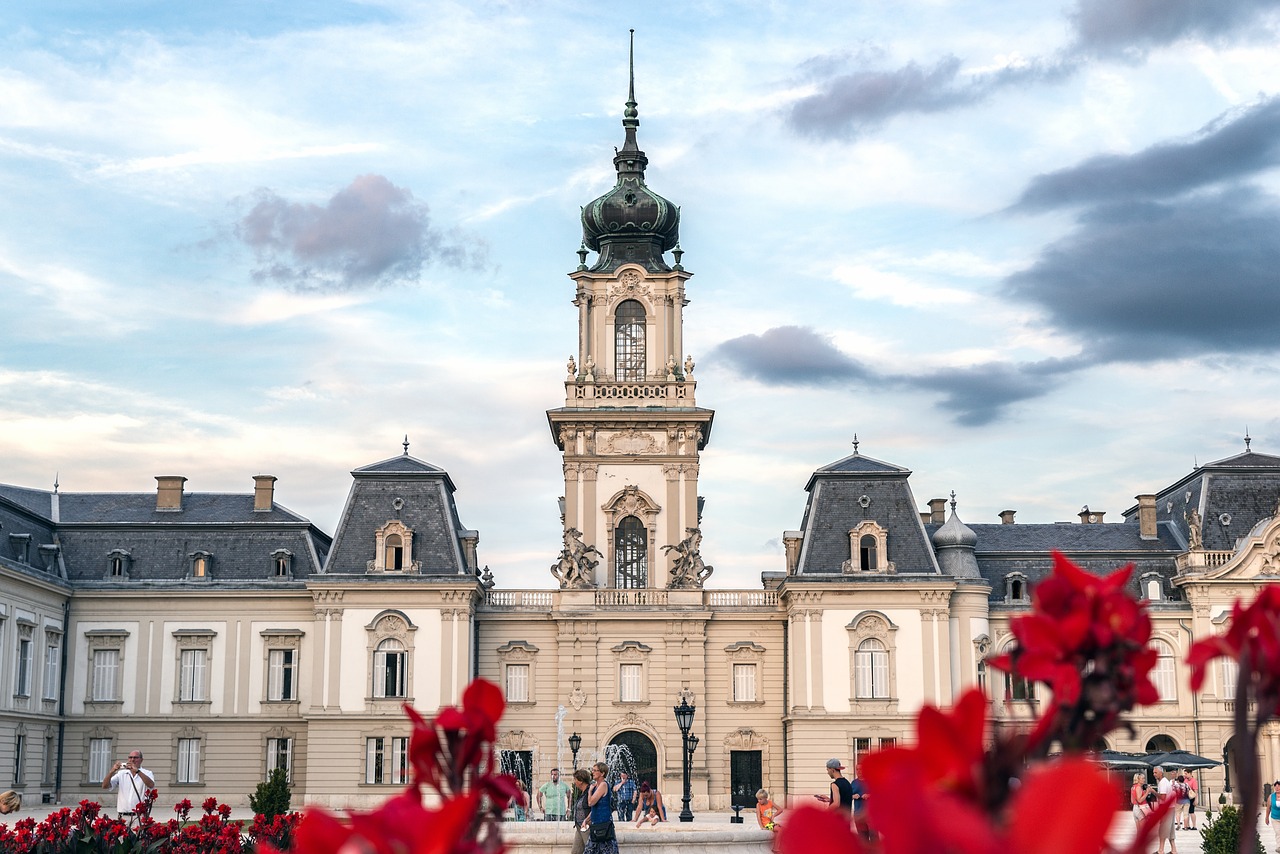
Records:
x=406, y=444
x=953, y=501
x=855, y=443
x=1247, y=439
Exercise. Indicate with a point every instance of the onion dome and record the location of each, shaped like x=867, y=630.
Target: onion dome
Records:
x=631, y=223
x=954, y=543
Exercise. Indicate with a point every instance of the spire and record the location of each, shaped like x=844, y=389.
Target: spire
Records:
x=855, y=444
x=631, y=116
x=1247, y=439
x=406, y=444
x=953, y=501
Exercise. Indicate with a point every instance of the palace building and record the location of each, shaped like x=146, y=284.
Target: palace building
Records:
x=225, y=635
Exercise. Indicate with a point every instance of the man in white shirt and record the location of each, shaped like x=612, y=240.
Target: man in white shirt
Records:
x=130, y=781
x=1164, y=786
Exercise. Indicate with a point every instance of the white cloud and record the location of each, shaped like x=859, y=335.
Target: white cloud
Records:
x=872, y=284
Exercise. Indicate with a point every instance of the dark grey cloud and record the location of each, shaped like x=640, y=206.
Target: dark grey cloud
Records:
x=847, y=105
x=371, y=233
x=1134, y=26
x=1233, y=145
x=1145, y=281
x=791, y=355
x=973, y=396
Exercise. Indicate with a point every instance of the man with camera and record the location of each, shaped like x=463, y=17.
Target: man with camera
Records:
x=130, y=781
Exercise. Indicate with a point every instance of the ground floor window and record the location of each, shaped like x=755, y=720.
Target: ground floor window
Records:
x=386, y=760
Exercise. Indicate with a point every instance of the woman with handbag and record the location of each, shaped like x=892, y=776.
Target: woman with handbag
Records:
x=601, y=838
x=579, y=810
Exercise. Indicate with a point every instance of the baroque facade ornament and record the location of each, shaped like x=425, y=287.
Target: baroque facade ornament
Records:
x=689, y=571
x=575, y=568
x=630, y=285
x=629, y=441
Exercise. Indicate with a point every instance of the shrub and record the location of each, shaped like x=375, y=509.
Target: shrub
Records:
x=272, y=797
x=1222, y=835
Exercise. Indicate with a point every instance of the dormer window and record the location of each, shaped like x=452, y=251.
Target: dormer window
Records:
x=393, y=549
x=20, y=546
x=201, y=564
x=118, y=563
x=282, y=564
x=1016, y=590
x=868, y=549
x=1153, y=587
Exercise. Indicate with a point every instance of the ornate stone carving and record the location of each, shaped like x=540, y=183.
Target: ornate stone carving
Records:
x=630, y=441
x=685, y=694
x=574, y=569
x=572, y=368
x=689, y=571
x=1195, y=538
x=577, y=698
x=629, y=286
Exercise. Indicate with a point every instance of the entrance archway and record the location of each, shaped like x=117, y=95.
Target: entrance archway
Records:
x=1161, y=744
x=634, y=753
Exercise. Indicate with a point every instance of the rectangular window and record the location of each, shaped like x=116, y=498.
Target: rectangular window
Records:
x=386, y=760
x=19, y=751
x=99, y=758
x=188, y=760
x=517, y=683
x=46, y=760
x=280, y=755
x=629, y=681
x=280, y=674
x=22, y=684
x=191, y=673
x=52, y=663
x=861, y=747
x=106, y=672
x=744, y=683
x=1230, y=670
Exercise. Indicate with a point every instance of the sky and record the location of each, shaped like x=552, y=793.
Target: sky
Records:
x=1027, y=250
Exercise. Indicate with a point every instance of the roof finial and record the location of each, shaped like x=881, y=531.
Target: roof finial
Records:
x=1247, y=440
x=953, y=501
x=55, y=483
x=631, y=112
x=406, y=444
x=855, y=444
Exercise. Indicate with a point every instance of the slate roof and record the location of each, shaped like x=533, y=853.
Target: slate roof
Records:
x=126, y=508
x=425, y=495
x=35, y=500
x=835, y=506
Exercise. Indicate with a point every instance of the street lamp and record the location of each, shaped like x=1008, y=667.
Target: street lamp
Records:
x=575, y=742
x=1226, y=769
x=684, y=719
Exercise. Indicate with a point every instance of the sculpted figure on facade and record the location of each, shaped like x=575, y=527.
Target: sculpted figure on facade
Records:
x=1195, y=538
x=574, y=569
x=688, y=366
x=689, y=571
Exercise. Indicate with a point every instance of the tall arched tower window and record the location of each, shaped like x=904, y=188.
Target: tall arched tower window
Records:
x=630, y=553
x=628, y=341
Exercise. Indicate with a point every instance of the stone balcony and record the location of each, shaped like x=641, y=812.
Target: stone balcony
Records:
x=585, y=394
x=1201, y=561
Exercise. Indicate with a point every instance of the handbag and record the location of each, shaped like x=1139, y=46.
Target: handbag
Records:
x=602, y=831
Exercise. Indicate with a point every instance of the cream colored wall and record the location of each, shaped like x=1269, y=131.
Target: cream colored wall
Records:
x=357, y=661
x=837, y=665
x=79, y=660
x=166, y=669
x=257, y=661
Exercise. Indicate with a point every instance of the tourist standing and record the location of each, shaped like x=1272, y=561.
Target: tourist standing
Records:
x=625, y=790
x=1180, y=792
x=553, y=798
x=860, y=796
x=601, y=837
x=841, y=796
x=1164, y=831
x=1273, y=812
x=580, y=809
x=130, y=781
x=1138, y=797
x=1193, y=793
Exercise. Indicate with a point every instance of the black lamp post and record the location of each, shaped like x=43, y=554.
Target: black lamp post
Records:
x=575, y=742
x=684, y=719
x=1226, y=770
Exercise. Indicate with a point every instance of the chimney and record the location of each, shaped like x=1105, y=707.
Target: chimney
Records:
x=925, y=517
x=470, y=539
x=169, y=492
x=791, y=541
x=1090, y=517
x=937, y=511
x=1006, y=517
x=1147, y=517
x=264, y=492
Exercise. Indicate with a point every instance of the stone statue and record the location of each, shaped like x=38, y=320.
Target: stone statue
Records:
x=589, y=369
x=671, y=368
x=689, y=571
x=574, y=568
x=572, y=368
x=688, y=366
x=1195, y=538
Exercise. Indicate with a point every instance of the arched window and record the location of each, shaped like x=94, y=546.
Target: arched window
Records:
x=389, y=669
x=395, y=553
x=1019, y=688
x=1165, y=673
x=628, y=342
x=630, y=554
x=867, y=560
x=871, y=670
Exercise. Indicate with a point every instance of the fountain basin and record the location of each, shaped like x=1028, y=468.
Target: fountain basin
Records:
x=692, y=838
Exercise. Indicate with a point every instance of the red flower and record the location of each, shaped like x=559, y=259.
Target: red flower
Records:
x=458, y=742
x=1086, y=638
x=809, y=829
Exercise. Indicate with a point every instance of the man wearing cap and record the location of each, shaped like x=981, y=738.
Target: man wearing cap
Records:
x=841, y=796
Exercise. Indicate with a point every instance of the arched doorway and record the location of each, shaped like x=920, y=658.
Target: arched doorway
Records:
x=634, y=753
x=1161, y=744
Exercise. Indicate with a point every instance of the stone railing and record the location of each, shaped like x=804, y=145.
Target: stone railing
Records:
x=1199, y=561
x=546, y=600
x=678, y=392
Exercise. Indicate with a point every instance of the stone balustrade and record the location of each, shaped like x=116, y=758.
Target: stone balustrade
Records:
x=543, y=600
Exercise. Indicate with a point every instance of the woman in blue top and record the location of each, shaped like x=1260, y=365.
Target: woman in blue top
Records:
x=600, y=801
x=1273, y=813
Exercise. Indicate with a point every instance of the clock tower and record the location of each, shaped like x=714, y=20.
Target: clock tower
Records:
x=630, y=428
